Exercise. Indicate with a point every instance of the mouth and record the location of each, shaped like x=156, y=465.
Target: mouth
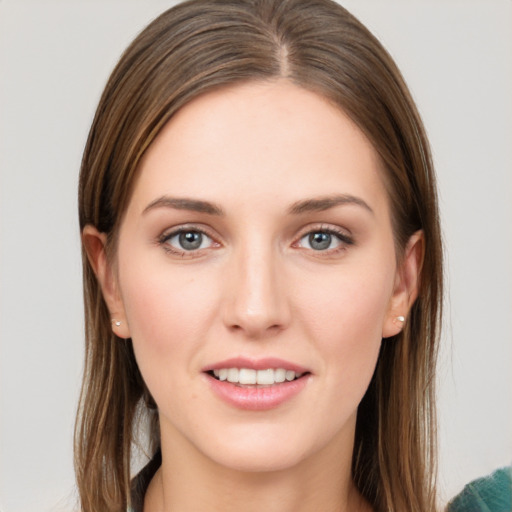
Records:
x=248, y=377
x=257, y=384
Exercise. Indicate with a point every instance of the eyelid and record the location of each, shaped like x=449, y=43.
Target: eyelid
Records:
x=169, y=233
x=327, y=228
x=345, y=237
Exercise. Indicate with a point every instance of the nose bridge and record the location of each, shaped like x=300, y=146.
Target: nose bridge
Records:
x=257, y=301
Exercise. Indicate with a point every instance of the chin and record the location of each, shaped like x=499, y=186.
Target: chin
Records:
x=259, y=459
x=265, y=449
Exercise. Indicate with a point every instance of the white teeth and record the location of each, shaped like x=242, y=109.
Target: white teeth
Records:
x=280, y=375
x=247, y=376
x=233, y=374
x=290, y=375
x=265, y=377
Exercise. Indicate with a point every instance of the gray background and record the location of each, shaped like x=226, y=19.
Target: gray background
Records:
x=55, y=57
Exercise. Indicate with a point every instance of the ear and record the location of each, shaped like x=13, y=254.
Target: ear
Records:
x=95, y=247
x=407, y=284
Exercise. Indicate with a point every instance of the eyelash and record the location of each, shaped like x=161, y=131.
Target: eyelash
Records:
x=164, y=239
x=343, y=238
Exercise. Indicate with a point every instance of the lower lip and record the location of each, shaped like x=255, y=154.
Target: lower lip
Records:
x=257, y=399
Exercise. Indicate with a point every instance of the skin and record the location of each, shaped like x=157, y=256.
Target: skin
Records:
x=257, y=287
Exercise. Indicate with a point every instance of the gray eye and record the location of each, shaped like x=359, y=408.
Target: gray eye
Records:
x=322, y=241
x=319, y=241
x=189, y=240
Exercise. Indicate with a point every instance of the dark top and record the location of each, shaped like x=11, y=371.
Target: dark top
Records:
x=140, y=483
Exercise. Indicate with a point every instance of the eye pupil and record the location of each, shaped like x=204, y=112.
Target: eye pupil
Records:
x=190, y=240
x=320, y=241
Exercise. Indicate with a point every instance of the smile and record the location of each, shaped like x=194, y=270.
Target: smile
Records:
x=251, y=377
x=256, y=385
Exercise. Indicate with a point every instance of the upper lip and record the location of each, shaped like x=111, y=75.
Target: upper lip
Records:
x=256, y=364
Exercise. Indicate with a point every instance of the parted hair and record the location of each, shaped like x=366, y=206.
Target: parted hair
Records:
x=202, y=45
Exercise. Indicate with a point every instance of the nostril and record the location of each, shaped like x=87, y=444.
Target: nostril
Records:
x=256, y=331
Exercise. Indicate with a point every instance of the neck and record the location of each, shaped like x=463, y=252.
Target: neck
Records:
x=188, y=481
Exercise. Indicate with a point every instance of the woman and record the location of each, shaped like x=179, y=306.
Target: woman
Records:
x=262, y=269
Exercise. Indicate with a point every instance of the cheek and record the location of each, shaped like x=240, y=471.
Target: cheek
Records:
x=167, y=310
x=168, y=313
x=345, y=314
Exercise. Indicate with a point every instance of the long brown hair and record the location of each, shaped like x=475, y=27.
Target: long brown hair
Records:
x=196, y=47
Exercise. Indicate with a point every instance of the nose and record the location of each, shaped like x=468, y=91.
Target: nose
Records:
x=256, y=301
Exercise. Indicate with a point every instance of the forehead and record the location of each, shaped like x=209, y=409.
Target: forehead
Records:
x=260, y=140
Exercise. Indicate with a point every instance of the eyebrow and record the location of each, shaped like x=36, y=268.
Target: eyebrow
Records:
x=321, y=204
x=318, y=204
x=184, y=203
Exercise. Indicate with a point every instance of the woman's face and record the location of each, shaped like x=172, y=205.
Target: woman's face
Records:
x=257, y=247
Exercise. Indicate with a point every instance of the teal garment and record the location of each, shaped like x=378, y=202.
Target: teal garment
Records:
x=490, y=494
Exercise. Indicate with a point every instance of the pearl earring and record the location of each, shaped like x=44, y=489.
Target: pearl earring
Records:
x=117, y=323
x=400, y=318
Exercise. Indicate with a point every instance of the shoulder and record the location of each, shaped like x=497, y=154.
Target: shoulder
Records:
x=489, y=494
